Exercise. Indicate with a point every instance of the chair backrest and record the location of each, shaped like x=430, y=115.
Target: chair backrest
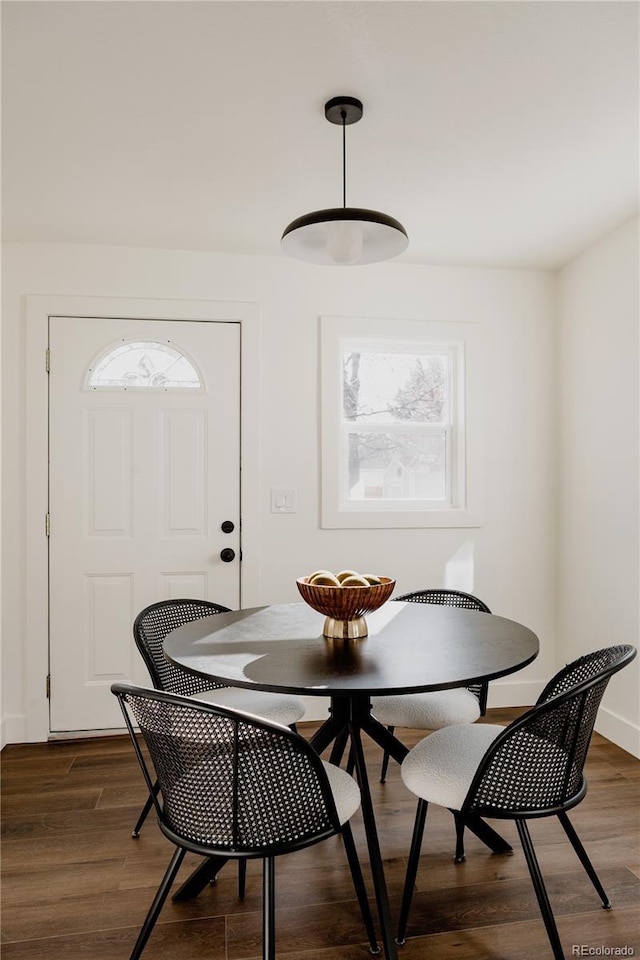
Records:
x=150, y=628
x=535, y=766
x=446, y=598
x=230, y=782
x=454, y=598
x=584, y=668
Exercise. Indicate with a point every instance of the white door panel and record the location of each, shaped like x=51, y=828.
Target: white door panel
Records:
x=141, y=479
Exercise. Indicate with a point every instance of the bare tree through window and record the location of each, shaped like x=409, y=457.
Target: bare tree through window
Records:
x=400, y=403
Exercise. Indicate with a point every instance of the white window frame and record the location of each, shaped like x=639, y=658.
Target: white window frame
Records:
x=461, y=342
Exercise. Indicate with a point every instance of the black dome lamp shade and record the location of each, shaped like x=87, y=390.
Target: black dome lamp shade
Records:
x=344, y=236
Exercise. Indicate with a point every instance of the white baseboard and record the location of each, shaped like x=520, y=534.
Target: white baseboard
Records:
x=13, y=730
x=623, y=733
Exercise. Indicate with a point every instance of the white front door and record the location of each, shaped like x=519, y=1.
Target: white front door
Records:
x=144, y=471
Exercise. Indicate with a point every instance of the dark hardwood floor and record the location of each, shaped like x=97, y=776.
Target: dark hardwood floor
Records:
x=76, y=886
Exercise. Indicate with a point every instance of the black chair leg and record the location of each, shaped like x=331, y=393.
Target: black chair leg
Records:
x=268, y=909
x=145, y=811
x=412, y=869
x=385, y=760
x=242, y=878
x=459, y=856
x=484, y=694
x=540, y=889
x=584, y=859
x=351, y=762
x=359, y=886
x=158, y=901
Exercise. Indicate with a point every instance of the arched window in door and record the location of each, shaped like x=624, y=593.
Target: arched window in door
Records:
x=143, y=365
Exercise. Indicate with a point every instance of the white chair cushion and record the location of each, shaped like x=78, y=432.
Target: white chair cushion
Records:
x=441, y=767
x=427, y=711
x=346, y=792
x=278, y=707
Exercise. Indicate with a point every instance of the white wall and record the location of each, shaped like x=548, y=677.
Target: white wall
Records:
x=598, y=572
x=513, y=553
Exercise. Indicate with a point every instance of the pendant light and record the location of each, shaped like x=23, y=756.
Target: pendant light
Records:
x=344, y=236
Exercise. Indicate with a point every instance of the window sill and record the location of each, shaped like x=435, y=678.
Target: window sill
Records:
x=400, y=519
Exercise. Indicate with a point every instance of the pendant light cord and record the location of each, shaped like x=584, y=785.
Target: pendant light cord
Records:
x=344, y=235
x=343, y=114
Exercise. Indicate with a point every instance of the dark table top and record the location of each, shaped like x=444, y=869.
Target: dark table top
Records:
x=411, y=647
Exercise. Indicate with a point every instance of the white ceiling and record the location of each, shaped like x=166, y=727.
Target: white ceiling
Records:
x=499, y=133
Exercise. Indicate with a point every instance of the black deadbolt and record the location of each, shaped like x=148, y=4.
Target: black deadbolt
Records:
x=227, y=526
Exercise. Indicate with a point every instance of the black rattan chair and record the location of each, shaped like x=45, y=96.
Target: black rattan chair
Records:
x=237, y=787
x=150, y=628
x=532, y=768
x=431, y=711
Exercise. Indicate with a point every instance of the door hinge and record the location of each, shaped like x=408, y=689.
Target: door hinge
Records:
x=47, y=359
x=47, y=525
x=48, y=686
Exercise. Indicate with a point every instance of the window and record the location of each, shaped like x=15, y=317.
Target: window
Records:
x=394, y=430
x=398, y=408
x=145, y=365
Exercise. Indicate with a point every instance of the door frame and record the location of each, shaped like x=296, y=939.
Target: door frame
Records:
x=36, y=587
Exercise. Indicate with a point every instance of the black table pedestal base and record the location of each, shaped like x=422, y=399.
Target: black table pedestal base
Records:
x=199, y=878
x=354, y=710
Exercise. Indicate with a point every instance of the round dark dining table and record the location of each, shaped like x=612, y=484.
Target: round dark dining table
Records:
x=410, y=648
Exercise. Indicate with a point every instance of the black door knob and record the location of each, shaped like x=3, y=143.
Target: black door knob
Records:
x=227, y=555
x=227, y=526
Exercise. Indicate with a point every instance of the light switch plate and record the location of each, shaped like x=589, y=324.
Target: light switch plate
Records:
x=283, y=500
